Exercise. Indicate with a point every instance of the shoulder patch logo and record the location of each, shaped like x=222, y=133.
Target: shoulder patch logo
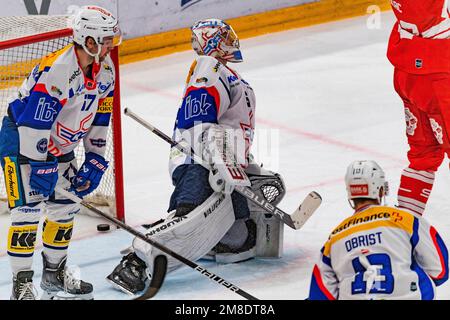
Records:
x=99, y=143
x=57, y=90
x=201, y=80
x=42, y=145
x=217, y=66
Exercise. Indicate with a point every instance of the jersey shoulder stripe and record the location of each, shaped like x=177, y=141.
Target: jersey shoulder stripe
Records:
x=441, y=249
x=371, y=218
x=48, y=61
x=191, y=71
x=318, y=290
x=206, y=71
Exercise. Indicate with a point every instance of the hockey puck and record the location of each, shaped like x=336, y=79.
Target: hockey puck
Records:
x=103, y=227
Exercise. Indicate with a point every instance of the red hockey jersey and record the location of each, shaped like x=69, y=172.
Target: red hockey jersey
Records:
x=420, y=40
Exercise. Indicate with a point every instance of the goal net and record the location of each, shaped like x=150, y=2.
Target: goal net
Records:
x=23, y=42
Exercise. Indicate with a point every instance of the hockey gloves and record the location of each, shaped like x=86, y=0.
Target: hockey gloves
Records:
x=89, y=176
x=43, y=176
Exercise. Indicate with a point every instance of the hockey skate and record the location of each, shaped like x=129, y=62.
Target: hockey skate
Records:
x=129, y=275
x=226, y=254
x=59, y=283
x=23, y=288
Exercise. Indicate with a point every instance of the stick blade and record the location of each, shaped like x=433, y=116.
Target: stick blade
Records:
x=306, y=209
x=159, y=273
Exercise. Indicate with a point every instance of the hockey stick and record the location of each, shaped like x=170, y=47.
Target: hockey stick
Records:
x=159, y=273
x=155, y=244
x=295, y=221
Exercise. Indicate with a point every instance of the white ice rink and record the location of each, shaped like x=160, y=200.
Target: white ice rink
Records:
x=326, y=94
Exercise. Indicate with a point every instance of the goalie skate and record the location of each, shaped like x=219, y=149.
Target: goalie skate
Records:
x=226, y=254
x=129, y=275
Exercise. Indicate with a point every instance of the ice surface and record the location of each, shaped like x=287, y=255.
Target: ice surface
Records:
x=325, y=92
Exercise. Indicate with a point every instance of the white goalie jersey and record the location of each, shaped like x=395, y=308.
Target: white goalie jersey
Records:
x=214, y=94
x=380, y=253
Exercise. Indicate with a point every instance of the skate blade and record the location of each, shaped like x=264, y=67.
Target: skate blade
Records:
x=210, y=256
x=117, y=286
x=225, y=258
x=61, y=295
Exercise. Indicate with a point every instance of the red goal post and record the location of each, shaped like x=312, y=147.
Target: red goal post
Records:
x=23, y=42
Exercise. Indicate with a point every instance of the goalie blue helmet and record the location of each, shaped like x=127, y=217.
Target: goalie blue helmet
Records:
x=216, y=38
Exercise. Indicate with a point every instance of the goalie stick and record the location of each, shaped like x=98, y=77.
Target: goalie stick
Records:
x=158, y=275
x=159, y=246
x=296, y=220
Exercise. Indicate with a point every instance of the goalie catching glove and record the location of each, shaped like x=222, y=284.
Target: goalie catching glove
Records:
x=89, y=176
x=219, y=148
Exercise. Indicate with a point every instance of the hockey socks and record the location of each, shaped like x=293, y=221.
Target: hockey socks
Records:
x=414, y=190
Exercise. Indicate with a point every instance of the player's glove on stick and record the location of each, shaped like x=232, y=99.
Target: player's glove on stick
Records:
x=90, y=173
x=44, y=176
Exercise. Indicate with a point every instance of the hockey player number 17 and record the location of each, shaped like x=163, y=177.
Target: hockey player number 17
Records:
x=373, y=273
x=88, y=101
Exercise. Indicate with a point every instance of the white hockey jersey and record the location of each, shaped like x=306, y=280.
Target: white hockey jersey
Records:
x=380, y=253
x=214, y=94
x=57, y=106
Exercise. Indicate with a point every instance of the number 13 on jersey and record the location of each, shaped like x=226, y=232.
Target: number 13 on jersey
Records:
x=373, y=274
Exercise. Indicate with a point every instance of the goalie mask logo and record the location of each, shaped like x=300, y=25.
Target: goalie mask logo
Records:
x=437, y=130
x=411, y=122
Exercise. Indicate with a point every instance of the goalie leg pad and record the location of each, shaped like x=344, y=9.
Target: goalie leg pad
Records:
x=192, y=235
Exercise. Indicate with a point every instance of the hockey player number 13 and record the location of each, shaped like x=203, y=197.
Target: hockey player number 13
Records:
x=374, y=273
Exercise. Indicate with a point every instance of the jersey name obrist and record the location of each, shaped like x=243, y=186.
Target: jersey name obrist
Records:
x=381, y=253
